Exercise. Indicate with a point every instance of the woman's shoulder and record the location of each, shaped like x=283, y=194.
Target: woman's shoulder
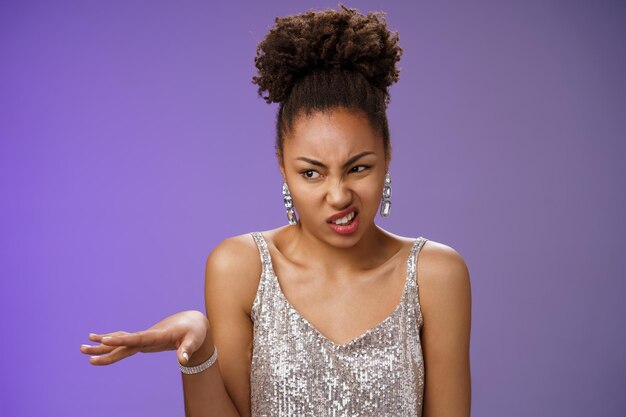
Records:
x=442, y=274
x=438, y=263
x=440, y=256
x=233, y=270
x=240, y=252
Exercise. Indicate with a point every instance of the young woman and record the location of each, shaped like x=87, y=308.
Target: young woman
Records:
x=323, y=317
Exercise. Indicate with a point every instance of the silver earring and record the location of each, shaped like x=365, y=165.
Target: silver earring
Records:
x=291, y=214
x=385, y=205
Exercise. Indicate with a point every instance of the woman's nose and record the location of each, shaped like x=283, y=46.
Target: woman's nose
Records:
x=339, y=195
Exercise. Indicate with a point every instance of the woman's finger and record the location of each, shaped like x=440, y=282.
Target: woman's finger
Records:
x=96, y=350
x=117, y=354
x=137, y=339
x=97, y=337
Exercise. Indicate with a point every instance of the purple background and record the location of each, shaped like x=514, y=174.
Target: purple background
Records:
x=132, y=142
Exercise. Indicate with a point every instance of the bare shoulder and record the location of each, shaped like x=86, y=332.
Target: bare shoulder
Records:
x=239, y=251
x=444, y=286
x=233, y=267
x=442, y=268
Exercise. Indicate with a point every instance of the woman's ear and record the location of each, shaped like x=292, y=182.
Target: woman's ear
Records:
x=281, y=163
x=388, y=157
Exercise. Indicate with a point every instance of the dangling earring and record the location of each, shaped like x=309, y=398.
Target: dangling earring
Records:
x=291, y=214
x=385, y=205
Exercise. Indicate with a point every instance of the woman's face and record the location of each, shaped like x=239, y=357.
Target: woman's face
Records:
x=334, y=163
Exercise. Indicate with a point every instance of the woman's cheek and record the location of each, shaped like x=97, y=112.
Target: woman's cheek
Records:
x=304, y=202
x=371, y=194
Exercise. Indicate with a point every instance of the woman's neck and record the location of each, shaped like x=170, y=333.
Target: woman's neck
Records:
x=374, y=248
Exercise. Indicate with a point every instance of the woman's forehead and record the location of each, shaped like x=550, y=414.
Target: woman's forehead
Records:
x=333, y=132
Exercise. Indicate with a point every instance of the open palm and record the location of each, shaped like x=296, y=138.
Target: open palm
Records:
x=185, y=332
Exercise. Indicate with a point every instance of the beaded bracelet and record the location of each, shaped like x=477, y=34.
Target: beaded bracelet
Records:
x=199, y=368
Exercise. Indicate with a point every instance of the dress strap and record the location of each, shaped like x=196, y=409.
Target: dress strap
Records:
x=411, y=271
x=264, y=252
x=411, y=267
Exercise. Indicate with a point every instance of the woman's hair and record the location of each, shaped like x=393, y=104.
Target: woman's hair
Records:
x=321, y=60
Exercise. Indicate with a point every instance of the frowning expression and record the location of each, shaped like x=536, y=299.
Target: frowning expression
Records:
x=334, y=163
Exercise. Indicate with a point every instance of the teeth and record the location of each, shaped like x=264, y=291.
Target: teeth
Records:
x=345, y=220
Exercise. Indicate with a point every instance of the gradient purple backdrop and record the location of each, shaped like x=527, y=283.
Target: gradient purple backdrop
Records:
x=132, y=141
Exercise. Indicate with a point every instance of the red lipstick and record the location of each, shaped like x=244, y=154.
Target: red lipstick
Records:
x=344, y=229
x=341, y=214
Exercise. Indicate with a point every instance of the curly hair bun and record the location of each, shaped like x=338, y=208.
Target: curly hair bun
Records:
x=326, y=40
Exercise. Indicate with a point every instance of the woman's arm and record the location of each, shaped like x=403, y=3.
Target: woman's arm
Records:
x=232, y=275
x=233, y=270
x=189, y=334
x=204, y=392
x=445, y=299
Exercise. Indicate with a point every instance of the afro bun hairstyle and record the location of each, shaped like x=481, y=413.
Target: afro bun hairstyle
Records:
x=330, y=39
x=319, y=60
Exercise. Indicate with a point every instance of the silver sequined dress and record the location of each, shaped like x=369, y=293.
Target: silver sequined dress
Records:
x=296, y=371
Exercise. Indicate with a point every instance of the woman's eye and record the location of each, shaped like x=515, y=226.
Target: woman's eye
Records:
x=310, y=174
x=358, y=168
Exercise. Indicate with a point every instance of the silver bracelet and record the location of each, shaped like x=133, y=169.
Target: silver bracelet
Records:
x=199, y=368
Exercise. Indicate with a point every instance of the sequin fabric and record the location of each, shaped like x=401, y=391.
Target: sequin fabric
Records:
x=296, y=371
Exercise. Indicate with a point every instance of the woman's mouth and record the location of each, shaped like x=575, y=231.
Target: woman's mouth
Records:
x=347, y=219
x=345, y=225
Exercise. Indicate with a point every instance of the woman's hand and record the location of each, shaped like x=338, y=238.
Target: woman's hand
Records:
x=187, y=332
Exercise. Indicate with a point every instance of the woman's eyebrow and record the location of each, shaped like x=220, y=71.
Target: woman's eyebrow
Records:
x=348, y=162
